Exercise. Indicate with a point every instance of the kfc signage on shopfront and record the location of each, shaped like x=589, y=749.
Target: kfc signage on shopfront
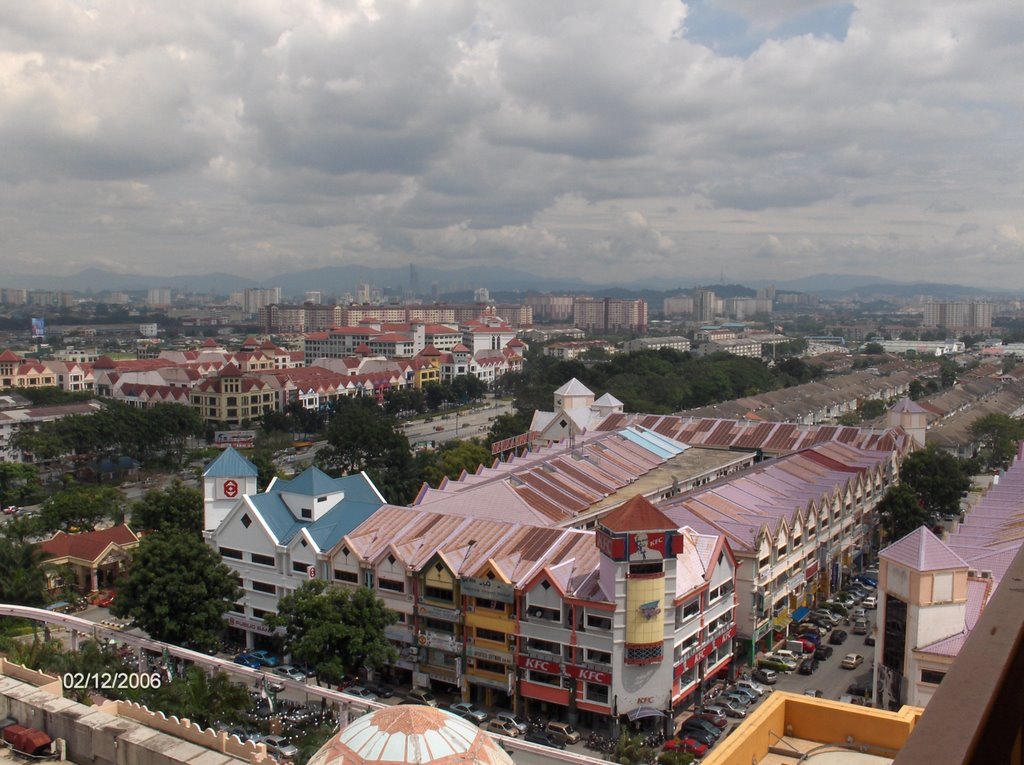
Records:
x=589, y=675
x=554, y=668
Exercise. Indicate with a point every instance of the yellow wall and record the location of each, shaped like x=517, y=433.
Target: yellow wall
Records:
x=639, y=629
x=820, y=720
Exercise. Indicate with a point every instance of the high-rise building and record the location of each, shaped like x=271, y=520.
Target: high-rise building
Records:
x=704, y=305
x=158, y=296
x=257, y=297
x=363, y=292
x=957, y=315
x=314, y=296
x=610, y=315
x=555, y=308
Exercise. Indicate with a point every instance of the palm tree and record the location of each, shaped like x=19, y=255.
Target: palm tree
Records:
x=22, y=575
x=202, y=698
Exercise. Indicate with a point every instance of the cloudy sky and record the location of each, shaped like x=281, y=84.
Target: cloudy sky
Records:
x=613, y=140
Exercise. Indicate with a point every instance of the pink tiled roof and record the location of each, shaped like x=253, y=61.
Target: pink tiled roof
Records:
x=921, y=550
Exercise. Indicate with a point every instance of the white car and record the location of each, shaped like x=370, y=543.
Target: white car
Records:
x=752, y=685
x=870, y=602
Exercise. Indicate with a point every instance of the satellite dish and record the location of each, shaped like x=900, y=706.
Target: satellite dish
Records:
x=538, y=613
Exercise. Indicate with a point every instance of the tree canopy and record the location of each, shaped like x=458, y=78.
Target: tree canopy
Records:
x=900, y=512
x=997, y=436
x=176, y=507
x=451, y=459
x=937, y=478
x=177, y=590
x=338, y=630
x=362, y=437
x=80, y=507
x=22, y=573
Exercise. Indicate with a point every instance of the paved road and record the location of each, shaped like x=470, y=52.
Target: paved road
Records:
x=470, y=424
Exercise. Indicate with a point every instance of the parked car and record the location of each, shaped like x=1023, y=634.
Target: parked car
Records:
x=562, y=731
x=380, y=690
x=868, y=581
x=808, y=666
x=469, y=712
x=814, y=693
x=106, y=599
x=811, y=637
x=838, y=637
x=789, y=661
x=11, y=510
x=859, y=613
x=765, y=675
x=852, y=661
x=701, y=735
x=825, y=616
x=287, y=670
x=360, y=692
x=870, y=602
x=728, y=708
x=248, y=660
x=280, y=747
x=267, y=659
x=859, y=689
x=823, y=652
x=510, y=717
x=502, y=727
x=542, y=738
x=686, y=744
x=717, y=718
x=752, y=685
x=869, y=639
x=773, y=663
x=737, y=698
x=860, y=627
x=418, y=696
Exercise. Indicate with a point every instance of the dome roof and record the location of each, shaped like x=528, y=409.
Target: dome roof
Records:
x=410, y=733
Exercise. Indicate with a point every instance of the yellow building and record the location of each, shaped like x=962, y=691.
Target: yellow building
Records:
x=490, y=634
x=232, y=398
x=17, y=372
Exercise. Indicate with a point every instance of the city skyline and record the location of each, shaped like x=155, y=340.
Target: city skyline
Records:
x=617, y=142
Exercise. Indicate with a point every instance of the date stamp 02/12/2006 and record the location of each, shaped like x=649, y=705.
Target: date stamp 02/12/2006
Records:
x=110, y=681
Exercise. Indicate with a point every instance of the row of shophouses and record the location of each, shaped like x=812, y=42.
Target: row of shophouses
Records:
x=615, y=577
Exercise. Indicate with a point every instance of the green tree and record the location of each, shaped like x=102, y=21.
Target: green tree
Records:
x=22, y=572
x=81, y=507
x=873, y=349
x=937, y=478
x=204, y=699
x=997, y=437
x=631, y=750
x=177, y=590
x=451, y=459
x=19, y=483
x=848, y=418
x=871, y=409
x=675, y=757
x=176, y=507
x=900, y=512
x=336, y=629
x=89, y=658
x=361, y=437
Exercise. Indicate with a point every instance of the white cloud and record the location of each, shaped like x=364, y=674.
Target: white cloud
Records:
x=589, y=138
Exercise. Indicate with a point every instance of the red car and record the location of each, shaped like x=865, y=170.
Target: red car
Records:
x=686, y=744
x=104, y=600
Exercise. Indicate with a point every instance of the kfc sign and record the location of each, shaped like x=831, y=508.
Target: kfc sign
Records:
x=589, y=675
x=551, y=667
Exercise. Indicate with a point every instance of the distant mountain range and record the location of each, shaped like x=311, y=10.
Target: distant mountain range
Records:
x=337, y=280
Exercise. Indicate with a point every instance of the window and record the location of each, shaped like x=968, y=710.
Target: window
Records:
x=264, y=587
x=599, y=622
x=263, y=560
x=599, y=657
x=306, y=513
x=299, y=566
x=536, y=676
x=491, y=605
x=492, y=635
x=227, y=552
x=532, y=644
x=438, y=593
x=491, y=666
x=439, y=625
x=931, y=676
x=646, y=569
x=643, y=654
x=595, y=692
x=346, y=576
x=391, y=584
x=237, y=608
x=246, y=520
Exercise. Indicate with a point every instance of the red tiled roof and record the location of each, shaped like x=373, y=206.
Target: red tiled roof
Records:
x=88, y=545
x=637, y=515
x=9, y=355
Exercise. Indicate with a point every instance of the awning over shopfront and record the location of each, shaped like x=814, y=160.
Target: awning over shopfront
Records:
x=800, y=614
x=641, y=712
x=781, y=621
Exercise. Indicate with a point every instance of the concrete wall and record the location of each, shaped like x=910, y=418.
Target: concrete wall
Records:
x=116, y=733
